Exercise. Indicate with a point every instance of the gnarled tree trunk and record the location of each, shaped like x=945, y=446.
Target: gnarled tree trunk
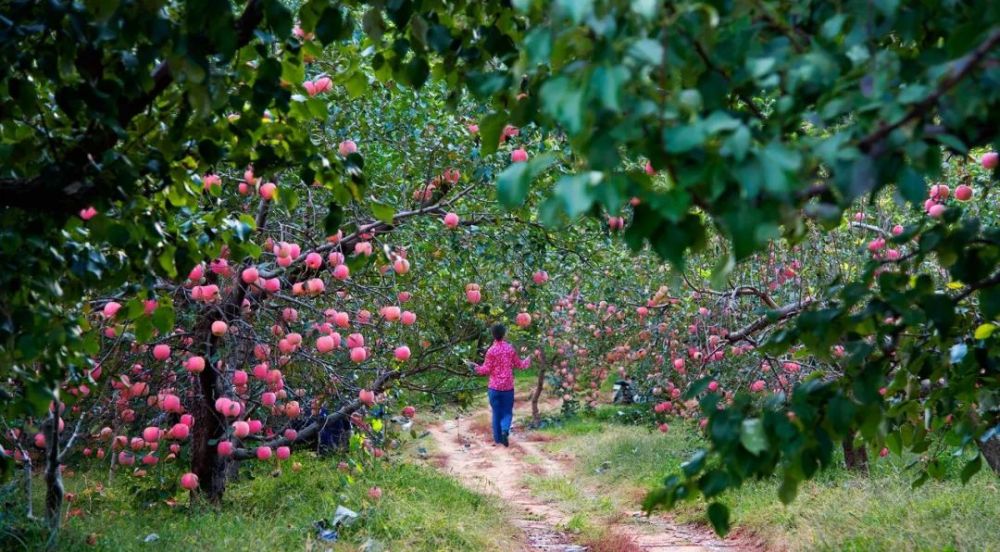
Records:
x=536, y=416
x=53, y=477
x=855, y=458
x=991, y=452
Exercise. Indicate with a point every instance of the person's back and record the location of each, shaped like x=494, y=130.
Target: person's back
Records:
x=499, y=364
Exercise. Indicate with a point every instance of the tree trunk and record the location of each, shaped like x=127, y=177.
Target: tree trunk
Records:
x=210, y=426
x=855, y=458
x=536, y=416
x=28, y=488
x=208, y=429
x=991, y=452
x=53, y=477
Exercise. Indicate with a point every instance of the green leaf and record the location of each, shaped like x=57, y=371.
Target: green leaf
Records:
x=514, y=181
x=166, y=260
x=912, y=186
x=607, y=83
x=894, y=443
x=984, y=331
x=384, y=213
x=971, y=468
x=512, y=185
x=163, y=318
x=958, y=352
x=695, y=464
x=334, y=218
x=788, y=489
x=279, y=18
x=334, y=24
x=563, y=101
x=989, y=302
x=575, y=10
x=718, y=514
x=417, y=71
x=752, y=436
x=490, y=130
x=647, y=52
x=574, y=191
x=683, y=138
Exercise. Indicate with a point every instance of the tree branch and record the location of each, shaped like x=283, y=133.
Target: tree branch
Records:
x=770, y=318
x=958, y=71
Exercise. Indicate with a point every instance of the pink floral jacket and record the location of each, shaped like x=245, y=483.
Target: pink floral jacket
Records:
x=501, y=359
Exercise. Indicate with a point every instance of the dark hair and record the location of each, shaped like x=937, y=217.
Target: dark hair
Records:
x=498, y=331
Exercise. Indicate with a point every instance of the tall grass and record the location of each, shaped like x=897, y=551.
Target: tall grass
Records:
x=839, y=510
x=419, y=510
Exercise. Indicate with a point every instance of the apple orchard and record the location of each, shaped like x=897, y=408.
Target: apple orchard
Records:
x=306, y=228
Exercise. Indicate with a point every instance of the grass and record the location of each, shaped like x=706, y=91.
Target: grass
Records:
x=278, y=512
x=839, y=510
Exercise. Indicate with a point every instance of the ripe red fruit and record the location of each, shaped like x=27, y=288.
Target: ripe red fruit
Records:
x=225, y=448
x=195, y=364
x=347, y=147
x=519, y=156
x=375, y=493
x=940, y=192
x=161, y=352
x=314, y=260
x=401, y=266
x=250, y=275
x=402, y=353
x=523, y=319
x=267, y=191
x=111, y=308
x=219, y=328
x=409, y=411
x=325, y=344
x=367, y=397
x=189, y=481
x=179, y=431
x=936, y=210
x=241, y=429
x=151, y=434
x=451, y=220
x=990, y=160
x=963, y=193
x=210, y=181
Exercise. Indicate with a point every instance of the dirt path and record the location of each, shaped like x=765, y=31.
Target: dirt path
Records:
x=464, y=449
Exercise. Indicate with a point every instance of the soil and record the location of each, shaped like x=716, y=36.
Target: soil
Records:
x=464, y=448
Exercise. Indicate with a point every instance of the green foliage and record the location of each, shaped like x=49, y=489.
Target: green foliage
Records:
x=838, y=510
x=760, y=121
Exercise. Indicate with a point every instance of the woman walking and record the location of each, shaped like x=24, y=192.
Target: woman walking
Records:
x=500, y=361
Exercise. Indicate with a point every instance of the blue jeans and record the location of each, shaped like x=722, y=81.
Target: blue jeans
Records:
x=502, y=403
